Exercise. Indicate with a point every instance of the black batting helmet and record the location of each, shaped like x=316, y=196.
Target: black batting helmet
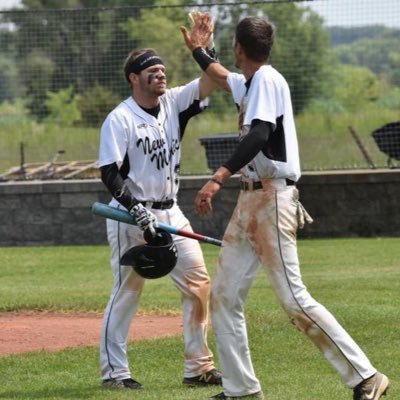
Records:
x=154, y=259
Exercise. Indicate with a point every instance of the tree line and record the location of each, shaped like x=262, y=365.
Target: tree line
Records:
x=66, y=60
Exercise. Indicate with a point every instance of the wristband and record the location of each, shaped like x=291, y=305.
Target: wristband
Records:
x=134, y=202
x=216, y=181
x=212, y=53
x=202, y=57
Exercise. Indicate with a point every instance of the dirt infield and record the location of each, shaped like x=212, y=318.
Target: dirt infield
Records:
x=25, y=332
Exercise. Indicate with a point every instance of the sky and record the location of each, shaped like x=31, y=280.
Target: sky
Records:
x=5, y=4
x=334, y=12
x=360, y=12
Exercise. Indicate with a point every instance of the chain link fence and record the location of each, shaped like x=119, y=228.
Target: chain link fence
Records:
x=61, y=73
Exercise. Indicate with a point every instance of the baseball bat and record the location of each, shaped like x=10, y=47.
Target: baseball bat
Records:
x=106, y=211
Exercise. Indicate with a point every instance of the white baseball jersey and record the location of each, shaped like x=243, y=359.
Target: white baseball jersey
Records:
x=146, y=148
x=267, y=98
x=262, y=231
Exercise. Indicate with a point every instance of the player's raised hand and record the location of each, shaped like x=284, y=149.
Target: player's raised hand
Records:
x=201, y=34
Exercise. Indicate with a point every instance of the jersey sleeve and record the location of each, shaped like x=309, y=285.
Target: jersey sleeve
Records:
x=185, y=96
x=262, y=102
x=236, y=82
x=113, y=141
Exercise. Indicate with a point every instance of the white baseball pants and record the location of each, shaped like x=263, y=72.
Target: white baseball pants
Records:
x=190, y=276
x=262, y=230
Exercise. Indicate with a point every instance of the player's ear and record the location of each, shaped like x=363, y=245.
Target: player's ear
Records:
x=133, y=78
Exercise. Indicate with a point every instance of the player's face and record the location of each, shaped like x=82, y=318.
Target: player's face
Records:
x=236, y=54
x=153, y=80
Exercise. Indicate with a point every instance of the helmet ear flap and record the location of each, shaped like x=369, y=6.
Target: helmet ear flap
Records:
x=136, y=256
x=155, y=259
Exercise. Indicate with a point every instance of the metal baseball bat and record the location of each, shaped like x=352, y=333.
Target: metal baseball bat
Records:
x=106, y=211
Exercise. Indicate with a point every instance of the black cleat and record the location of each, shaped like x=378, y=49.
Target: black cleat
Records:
x=212, y=377
x=128, y=383
x=223, y=396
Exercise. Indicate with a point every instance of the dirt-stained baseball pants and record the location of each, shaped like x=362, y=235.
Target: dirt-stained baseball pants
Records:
x=262, y=230
x=189, y=276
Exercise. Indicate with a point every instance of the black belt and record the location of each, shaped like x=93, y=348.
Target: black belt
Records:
x=159, y=205
x=256, y=185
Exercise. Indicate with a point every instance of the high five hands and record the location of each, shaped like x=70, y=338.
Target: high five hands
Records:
x=201, y=34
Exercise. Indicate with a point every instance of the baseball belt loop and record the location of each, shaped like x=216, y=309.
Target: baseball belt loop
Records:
x=246, y=184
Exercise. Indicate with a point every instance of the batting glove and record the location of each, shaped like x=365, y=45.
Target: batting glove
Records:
x=145, y=219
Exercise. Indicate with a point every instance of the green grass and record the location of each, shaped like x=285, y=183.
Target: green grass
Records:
x=357, y=279
x=324, y=139
x=326, y=143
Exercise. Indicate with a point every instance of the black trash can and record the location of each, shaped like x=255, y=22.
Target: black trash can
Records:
x=387, y=138
x=219, y=148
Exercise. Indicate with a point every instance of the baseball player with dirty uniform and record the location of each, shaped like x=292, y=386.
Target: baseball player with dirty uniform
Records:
x=262, y=229
x=139, y=156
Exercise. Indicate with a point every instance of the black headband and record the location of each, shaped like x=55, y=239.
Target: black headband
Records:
x=144, y=61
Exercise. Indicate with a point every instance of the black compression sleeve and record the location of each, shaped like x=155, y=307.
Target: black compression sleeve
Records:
x=250, y=145
x=114, y=182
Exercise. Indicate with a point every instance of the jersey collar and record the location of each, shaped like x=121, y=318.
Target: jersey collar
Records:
x=140, y=112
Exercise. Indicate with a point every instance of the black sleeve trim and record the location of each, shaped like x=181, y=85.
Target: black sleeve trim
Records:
x=112, y=179
x=254, y=142
x=190, y=112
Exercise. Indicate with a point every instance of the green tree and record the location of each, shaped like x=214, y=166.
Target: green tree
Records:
x=345, y=35
x=84, y=46
x=95, y=104
x=353, y=88
x=38, y=82
x=63, y=107
x=301, y=51
x=9, y=85
x=381, y=55
x=356, y=86
x=145, y=31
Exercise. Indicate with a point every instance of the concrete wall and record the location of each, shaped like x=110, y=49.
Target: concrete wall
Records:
x=343, y=204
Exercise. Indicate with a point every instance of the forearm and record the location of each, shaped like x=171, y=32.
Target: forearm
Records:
x=215, y=71
x=115, y=184
x=207, y=86
x=250, y=146
x=219, y=74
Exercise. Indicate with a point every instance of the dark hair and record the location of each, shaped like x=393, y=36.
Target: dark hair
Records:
x=256, y=36
x=133, y=55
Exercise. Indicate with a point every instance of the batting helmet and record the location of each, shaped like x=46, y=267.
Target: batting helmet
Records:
x=154, y=259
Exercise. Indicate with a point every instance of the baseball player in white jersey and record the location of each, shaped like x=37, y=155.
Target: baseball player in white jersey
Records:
x=262, y=229
x=139, y=156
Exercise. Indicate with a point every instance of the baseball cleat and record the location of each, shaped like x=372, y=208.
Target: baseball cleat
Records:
x=372, y=388
x=223, y=396
x=128, y=383
x=212, y=377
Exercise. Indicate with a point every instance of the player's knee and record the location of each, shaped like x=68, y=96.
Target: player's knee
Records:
x=226, y=312
x=198, y=283
x=300, y=316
